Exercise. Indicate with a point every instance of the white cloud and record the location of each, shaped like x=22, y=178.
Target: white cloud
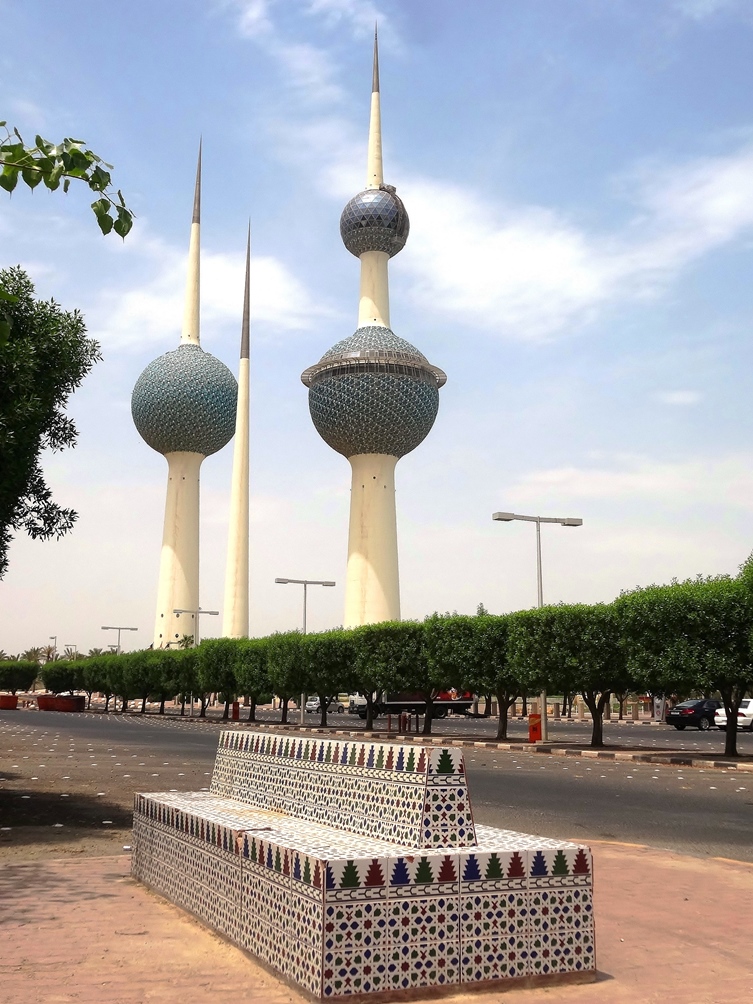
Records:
x=700, y=9
x=253, y=18
x=679, y=397
x=150, y=311
x=361, y=15
x=708, y=481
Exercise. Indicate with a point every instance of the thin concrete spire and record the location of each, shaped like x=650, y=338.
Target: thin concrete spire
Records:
x=374, y=169
x=246, y=297
x=191, y=311
x=235, y=610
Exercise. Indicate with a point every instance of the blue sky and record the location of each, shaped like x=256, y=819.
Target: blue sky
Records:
x=579, y=178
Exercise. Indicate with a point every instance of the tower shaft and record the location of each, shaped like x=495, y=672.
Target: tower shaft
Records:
x=372, y=585
x=374, y=296
x=192, y=305
x=235, y=609
x=178, y=587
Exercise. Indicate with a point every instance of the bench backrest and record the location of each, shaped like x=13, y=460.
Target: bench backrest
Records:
x=403, y=793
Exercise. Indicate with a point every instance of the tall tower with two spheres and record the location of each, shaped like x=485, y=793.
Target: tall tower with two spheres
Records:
x=184, y=406
x=373, y=397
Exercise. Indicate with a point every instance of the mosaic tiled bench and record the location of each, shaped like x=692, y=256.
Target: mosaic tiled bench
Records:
x=356, y=868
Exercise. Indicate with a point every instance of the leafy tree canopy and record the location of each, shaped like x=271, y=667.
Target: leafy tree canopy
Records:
x=44, y=358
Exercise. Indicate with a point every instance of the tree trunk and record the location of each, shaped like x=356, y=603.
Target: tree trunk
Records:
x=428, y=716
x=596, y=707
x=525, y=704
x=252, y=708
x=107, y=703
x=369, y=713
x=203, y=700
x=226, y=710
x=284, y=706
x=143, y=705
x=487, y=705
x=89, y=699
x=162, y=705
x=323, y=704
x=503, y=706
x=125, y=705
x=183, y=706
x=731, y=700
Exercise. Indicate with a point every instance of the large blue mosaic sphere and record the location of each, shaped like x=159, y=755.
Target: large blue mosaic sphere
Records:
x=185, y=401
x=373, y=393
x=375, y=220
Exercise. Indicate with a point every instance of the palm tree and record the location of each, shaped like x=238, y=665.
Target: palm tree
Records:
x=49, y=653
x=186, y=641
x=95, y=651
x=32, y=655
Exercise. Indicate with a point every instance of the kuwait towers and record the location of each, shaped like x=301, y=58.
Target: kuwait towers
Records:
x=373, y=397
x=184, y=405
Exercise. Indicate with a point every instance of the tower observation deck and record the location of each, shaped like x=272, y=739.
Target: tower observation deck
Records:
x=373, y=396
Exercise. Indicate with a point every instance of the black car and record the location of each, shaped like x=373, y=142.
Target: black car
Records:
x=698, y=713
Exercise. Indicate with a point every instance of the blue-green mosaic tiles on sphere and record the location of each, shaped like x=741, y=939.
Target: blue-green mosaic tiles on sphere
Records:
x=373, y=393
x=374, y=220
x=185, y=401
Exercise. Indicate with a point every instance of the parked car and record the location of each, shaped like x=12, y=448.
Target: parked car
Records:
x=312, y=705
x=698, y=713
x=744, y=716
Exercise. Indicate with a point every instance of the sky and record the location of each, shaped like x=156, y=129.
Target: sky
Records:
x=579, y=180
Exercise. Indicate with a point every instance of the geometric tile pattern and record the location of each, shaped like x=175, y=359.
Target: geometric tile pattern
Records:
x=342, y=913
x=406, y=794
x=185, y=400
x=373, y=393
x=374, y=220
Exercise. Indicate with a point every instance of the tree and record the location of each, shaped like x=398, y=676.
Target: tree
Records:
x=187, y=675
x=43, y=360
x=251, y=674
x=472, y=652
x=572, y=647
x=49, y=163
x=287, y=667
x=693, y=636
x=329, y=659
x=60, y=677
x=400, y=661
x=18, y=675
x=217, y=658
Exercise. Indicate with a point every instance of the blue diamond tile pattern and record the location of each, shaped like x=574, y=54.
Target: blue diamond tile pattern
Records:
x=185, y=401
x=374, y=220
x=373, y=393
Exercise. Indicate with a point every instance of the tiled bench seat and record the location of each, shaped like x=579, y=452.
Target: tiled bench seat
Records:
x=343, y=913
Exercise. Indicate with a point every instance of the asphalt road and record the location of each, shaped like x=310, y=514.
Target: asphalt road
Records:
x=76, y=768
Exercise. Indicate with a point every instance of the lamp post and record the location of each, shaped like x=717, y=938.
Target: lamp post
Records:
x=118, y=629
x=305, y=583
x=54, y=640
x=508, y=517
x=212, y=613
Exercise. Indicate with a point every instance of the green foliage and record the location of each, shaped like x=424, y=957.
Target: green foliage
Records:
x=61, y=676
x=18, y=674
x=42, y=362
x=693, y=636
x=328, y=661
x=70, y=160
x=216, y=665
x=286, y=664
x=251, y=670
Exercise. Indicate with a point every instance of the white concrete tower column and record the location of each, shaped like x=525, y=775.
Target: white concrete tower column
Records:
x=374, y=298
x=235, y=610
x=372, y=584
x=178, y=587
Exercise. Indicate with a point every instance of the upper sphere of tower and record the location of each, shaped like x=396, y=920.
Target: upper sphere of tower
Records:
x=373, y=393
x=185, y=401
x=375, y=220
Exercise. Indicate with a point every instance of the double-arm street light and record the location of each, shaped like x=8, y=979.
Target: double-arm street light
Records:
x=118, y=629
x=305, y=583
x=196, y=613
x=508, y=517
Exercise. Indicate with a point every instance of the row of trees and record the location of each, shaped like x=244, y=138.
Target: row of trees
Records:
x=687, y=638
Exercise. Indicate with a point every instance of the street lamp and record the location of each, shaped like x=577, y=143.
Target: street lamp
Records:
x=212, y=613
x=54, y=640
x=118, y=629
x=508, y=517
x=305, y=583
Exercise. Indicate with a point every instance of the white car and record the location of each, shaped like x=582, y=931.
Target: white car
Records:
x=336, y=705
x=744, y=716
